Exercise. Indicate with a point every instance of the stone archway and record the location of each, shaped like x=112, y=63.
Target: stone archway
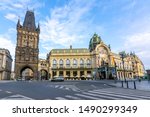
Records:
x=19, y=68
x=27, y=73
x=44, y=74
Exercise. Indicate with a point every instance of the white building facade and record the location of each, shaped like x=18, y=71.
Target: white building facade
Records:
x=5, y=64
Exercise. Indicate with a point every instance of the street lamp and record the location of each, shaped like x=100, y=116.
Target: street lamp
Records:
x=123, y=55
x=137, y=69
x=115, y=71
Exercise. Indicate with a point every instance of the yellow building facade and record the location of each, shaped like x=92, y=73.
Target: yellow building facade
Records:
x=70, y=63
x=96, y=62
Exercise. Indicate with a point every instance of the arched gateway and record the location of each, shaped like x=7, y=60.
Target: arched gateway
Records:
x=27, y=73
x=44, y=74
x=27, y=51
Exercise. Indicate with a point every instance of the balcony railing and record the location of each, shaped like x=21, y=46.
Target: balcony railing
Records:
x=60, y=65
x=68, y=66
x=54, y=66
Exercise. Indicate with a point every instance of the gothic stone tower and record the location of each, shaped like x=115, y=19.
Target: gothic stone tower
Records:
x=27, y=51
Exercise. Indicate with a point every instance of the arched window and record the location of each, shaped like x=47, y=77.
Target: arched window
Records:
x=67, y=63
x=88, y=62
x=75, y=62
x=121, y=65
x=81, y=63
x=60, y=63
x=54, y=63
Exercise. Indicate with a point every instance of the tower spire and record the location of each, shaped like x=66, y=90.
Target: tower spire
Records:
x=18, y=23
x=29, y=21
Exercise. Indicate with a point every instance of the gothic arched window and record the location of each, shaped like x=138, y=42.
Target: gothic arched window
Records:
x=75, y=62
x=61, y=63
x=88, y=62
x=81, y=63
x=54, y=62
x=67, y=63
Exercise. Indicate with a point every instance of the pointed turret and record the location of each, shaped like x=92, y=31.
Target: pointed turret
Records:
x=18, y=23
x=109, y=46
x=29, y=21
x=38, y=28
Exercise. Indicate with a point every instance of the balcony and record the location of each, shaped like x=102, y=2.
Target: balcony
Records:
x=60, y=65
x=54, y=66
x=74, y=66
x=81, y=65
x=68, y=66
x=88, y=66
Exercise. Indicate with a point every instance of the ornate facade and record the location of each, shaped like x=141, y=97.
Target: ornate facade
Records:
x=27, y=50
x=70, y=63
x=5, y=64
x=98, y=61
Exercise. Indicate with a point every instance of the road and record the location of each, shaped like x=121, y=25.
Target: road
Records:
x=67, y=90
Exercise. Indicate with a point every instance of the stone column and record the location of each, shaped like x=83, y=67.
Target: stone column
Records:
x=57, y=74
x=71, y=74
x=78, y=74
x=64, y=73
x=85, y=74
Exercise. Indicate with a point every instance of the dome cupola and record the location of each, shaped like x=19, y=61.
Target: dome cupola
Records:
x=95, y=40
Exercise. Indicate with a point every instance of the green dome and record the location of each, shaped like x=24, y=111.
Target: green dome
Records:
x=94, y=41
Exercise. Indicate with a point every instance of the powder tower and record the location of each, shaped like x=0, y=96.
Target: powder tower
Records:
x=27, y=50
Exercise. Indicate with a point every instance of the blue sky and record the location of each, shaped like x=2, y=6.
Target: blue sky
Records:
x=124, y=24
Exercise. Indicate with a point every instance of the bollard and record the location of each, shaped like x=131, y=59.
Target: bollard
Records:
x=134, y=85
x=122, y=83
x=127, y=84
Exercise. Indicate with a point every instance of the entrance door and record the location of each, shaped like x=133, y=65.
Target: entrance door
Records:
x=103, y=75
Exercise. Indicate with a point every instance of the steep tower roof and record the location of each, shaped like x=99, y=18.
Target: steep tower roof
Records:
x=29, y=21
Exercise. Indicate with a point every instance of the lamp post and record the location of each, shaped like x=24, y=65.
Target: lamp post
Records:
x=115, y=71
x=123, y=55
x=137, y=70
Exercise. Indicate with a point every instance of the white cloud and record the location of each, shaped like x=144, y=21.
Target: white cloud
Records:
x=13, y=9
x=140, y=43
x=11, y=16
x=17, y=5
x=68, y=24
x=7, y=44
x=42, y=55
